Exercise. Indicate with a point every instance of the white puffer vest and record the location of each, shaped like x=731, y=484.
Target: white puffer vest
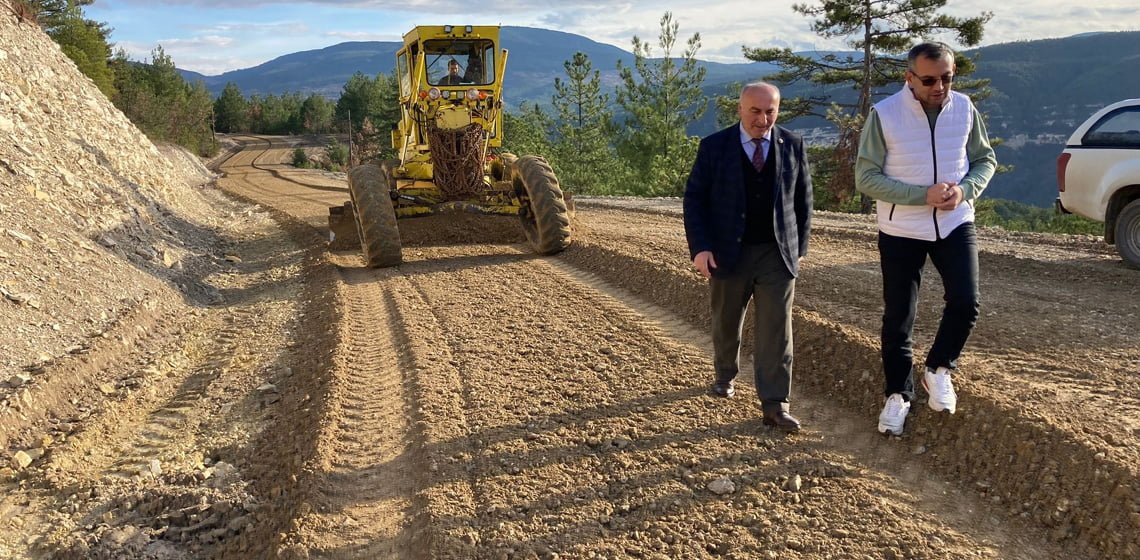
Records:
x=919, y=156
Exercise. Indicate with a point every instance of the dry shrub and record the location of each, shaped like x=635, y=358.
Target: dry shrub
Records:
x=367, y=144
x=24, y=11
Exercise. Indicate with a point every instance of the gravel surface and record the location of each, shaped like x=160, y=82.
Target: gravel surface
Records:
x=481, y=402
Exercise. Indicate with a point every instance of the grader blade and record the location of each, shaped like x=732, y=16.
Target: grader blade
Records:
x=343, y=233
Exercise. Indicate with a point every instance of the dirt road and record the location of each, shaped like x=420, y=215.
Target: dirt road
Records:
x=481, y=402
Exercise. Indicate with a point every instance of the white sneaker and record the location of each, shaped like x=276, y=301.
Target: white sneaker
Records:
x=942, y=396
x=893, y=416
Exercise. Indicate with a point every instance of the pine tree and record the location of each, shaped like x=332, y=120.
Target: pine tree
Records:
x=156, y=98
x=369, y=108
x=317, y=114
x=883, y=30
x=374, y=98
x=584, y=156
x=525, y=132
x=83, y=41
x=659, y=103
x=231, y=110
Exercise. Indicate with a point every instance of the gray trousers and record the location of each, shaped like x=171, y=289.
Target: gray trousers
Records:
x=762, y=278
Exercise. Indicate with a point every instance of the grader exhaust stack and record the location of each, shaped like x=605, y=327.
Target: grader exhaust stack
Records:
x=448, y=141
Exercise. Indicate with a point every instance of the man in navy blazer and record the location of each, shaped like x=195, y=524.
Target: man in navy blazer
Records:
x=748, y=206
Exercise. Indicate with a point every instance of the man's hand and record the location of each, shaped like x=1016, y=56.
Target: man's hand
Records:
x=953, y=199
x=938, y=194
x=705, y=263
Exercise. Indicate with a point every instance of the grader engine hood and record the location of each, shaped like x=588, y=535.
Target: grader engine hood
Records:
x=452, y=118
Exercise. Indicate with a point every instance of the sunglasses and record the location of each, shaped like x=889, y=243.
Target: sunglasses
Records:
x=928, y=81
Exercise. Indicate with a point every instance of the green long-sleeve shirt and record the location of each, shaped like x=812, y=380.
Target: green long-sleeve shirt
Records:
x=870, y=179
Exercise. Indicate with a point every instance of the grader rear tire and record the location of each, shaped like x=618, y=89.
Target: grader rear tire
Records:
x=544, y=217
x=375, y=216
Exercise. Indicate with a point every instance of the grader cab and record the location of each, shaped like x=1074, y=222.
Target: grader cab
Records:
x=448, y=143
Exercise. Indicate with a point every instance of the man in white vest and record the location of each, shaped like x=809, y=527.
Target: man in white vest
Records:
x=925, y=158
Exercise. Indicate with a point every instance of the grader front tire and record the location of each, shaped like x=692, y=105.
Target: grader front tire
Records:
x=375, y=216
x=500, y=166
x=544, y=216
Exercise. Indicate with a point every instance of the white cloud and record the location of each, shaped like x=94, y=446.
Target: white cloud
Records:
x=362, y=36
x=263, y=28
x=207, y=41
x=725, y=25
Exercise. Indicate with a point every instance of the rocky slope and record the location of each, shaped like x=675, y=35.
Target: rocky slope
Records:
x=94, y=218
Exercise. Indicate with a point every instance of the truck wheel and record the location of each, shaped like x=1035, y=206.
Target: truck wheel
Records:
x=375, y=216
x=1128, y=234
x=543, y=214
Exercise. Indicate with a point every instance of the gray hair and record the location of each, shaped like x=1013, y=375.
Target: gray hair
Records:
x=759, y=85
x=932, y=51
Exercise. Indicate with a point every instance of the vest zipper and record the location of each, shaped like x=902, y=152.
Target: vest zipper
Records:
x=934, y=158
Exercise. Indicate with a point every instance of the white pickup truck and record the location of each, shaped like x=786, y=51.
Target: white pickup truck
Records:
x=1098, y=175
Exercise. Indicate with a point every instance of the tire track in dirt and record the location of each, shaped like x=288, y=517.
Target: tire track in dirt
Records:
x=436, y=381
x=992, y=435
x=265, y=176
x=532, y=449
x=173, y=425
x=833, y=432
x=358, y=491
x=366, y=493
x=624, y=456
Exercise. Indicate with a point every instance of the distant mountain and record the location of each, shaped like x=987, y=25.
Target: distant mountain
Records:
x=192, y=76
x=323, y=71
x=536, y=58
x=1042, y=89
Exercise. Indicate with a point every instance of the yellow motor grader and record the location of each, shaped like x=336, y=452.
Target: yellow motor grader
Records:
x=448, y=140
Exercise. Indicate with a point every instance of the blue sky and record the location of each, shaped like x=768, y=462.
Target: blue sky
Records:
x=214, y=36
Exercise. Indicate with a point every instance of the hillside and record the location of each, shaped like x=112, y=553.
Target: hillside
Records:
x=112, y=249
x=87, y=235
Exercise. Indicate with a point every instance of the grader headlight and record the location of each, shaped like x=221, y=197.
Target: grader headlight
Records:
x=473, y=94
x=434, y=93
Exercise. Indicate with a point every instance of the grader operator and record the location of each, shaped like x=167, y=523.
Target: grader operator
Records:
x=448, y=144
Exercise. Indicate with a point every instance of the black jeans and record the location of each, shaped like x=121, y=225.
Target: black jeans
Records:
x=902, y=259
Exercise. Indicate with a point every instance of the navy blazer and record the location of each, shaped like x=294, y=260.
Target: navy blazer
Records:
x=715, y=198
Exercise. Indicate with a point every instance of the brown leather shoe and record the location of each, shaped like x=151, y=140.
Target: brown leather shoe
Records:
x=724, y=389
x=782, y=420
